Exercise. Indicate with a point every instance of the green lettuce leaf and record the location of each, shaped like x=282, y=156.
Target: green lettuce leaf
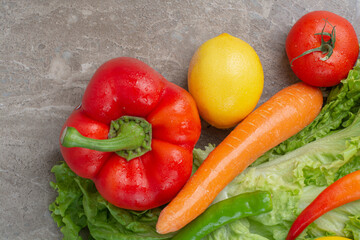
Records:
x=79, y=206
x=352, y=227
x=67, y=210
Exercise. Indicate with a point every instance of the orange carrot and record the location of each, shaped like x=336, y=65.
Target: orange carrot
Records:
x=282, y=116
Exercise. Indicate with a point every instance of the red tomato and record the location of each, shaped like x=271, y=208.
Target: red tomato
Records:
x=305, y=35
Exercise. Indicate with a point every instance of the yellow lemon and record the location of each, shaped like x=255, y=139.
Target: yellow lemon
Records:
x=226, y=79
x=333, y=238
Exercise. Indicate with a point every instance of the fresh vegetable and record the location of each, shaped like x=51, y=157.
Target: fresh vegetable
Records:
x=322, y=47
x=330, y=150
x=224, y=212
x=294, y=183
x=342, y=191
x=226, y=79
x=283, y=115
x=147, y=158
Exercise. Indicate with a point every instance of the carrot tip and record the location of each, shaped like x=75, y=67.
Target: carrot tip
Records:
x=161, y=229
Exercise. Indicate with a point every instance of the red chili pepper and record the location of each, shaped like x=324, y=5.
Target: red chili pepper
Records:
x=342, y=191
x=133, y=135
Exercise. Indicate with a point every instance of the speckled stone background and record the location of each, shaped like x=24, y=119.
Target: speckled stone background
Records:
x=50, y=49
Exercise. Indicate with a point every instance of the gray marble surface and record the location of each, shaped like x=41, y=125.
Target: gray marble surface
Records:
x=50, y=49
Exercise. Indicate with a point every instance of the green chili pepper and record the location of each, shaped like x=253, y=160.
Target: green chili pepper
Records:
x=224, y=212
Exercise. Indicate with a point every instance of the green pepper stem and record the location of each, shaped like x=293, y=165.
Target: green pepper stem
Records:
x=130, y=137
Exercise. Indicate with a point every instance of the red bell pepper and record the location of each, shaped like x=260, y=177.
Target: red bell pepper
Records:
x=342, y=191
x=133, y=135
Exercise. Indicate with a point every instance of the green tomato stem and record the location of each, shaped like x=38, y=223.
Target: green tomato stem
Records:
x=326, y=47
